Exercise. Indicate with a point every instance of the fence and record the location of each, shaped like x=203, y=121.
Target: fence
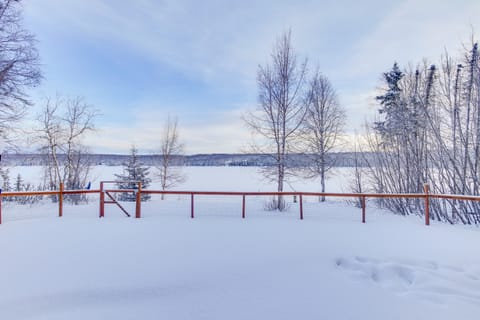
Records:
x=139, y=191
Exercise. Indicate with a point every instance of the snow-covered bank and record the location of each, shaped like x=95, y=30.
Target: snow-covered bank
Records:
x=268, y=266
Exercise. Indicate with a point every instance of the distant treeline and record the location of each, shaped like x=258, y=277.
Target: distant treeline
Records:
x=343, y=159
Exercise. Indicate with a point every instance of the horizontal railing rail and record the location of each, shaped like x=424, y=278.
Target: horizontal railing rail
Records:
x=288, y=193
x=138, y=191
x=45, y=193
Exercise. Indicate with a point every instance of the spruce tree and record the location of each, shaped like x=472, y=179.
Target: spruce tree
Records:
x=19, y=183
x=5, y=175
x=134, y=171
x=393, y=107
x=5, y=183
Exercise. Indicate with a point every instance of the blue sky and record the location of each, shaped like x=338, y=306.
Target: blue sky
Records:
x=138, y=61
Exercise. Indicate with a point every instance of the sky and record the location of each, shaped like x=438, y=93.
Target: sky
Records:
x=139, y=62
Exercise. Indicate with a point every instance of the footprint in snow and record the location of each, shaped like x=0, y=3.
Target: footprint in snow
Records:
x=424, y=279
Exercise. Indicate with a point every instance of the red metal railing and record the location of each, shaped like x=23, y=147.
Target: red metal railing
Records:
x=139, y=191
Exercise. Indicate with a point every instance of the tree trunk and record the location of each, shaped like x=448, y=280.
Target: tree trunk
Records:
x=281, y=177
x=322, y=182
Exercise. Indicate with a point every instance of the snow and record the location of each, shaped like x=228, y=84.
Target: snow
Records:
x=220, y=266
x=204, y=178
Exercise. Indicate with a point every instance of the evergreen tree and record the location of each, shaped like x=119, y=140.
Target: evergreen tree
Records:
x=19, y=183
x=397, y=138
x=5, y=175
x=133, y=172
x=18, y=187
x=393, y=107
x=6, y=186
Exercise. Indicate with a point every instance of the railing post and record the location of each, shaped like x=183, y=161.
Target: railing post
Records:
x=301, y=206
x=60, y=200
x=192, y=215
x=364, y=205
x=243, y=207
x=426, y=189
x=102, y=201
x=138, y=207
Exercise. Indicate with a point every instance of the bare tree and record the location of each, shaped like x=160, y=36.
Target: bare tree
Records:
x=281, y=110
x=171, y=156
x=62, y=125
x=324, y=125
x=19, y=66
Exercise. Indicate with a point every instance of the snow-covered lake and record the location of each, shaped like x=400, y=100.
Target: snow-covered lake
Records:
x=218, y=266
x=208, y=178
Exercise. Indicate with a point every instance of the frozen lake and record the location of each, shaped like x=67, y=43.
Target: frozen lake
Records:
x=209, y=178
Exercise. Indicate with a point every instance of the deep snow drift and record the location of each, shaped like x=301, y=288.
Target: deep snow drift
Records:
x=218, y=266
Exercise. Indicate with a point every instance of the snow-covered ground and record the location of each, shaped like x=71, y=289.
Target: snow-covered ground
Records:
x=219, y=266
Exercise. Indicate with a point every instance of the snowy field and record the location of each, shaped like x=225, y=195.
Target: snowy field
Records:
x=219, y=266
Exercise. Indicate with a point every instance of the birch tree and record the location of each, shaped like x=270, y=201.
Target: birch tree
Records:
x=62, y=126
x=324, y=125
x=171, y=156
x=282, y=106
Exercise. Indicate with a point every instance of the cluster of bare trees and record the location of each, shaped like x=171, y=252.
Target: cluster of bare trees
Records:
x=294, y=115
x=429, y=132
x=62, y=125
